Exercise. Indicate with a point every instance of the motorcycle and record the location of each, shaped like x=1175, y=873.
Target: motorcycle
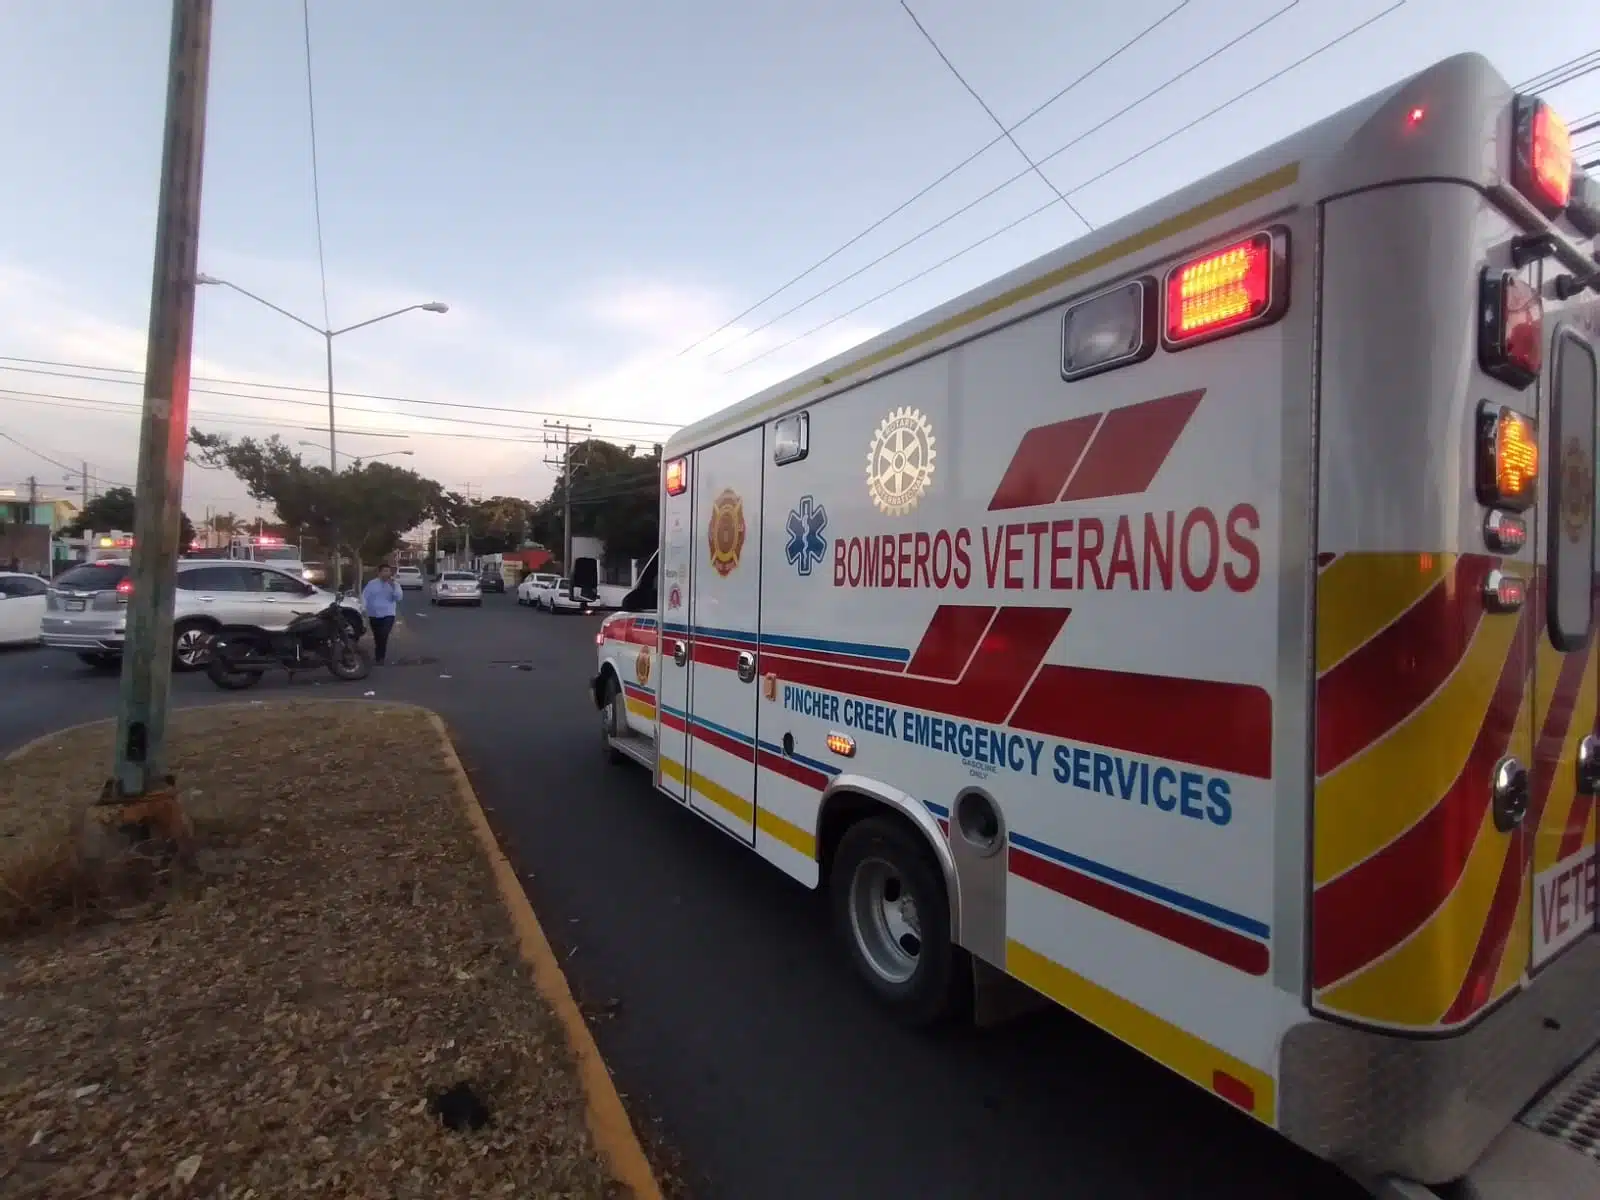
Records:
x=241, y=655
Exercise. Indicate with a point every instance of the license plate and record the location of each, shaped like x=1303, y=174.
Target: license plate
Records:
x=73, y=605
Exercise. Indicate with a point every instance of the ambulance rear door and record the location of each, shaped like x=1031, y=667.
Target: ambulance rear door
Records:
x=1566, y=757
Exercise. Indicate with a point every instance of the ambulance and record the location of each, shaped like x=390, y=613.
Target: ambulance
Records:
x=1195, y=628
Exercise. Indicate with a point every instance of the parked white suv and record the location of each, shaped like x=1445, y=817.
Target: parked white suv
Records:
x=410, y=578
x=87, y=607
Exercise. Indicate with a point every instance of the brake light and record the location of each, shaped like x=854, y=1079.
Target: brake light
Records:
x=1231, y=289
x=1541, y=166
x=1510, y=329
x=1504, y=593
x=1508, y=458
x=125, y=588
x=677, y=476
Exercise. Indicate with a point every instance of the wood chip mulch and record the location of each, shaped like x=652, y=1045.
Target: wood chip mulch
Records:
x=277, y=1022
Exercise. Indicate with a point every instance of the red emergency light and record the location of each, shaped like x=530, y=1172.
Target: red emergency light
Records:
x=1541, y=163
x=1227, y=291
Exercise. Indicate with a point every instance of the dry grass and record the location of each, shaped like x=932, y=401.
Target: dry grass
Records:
x=275, y=1024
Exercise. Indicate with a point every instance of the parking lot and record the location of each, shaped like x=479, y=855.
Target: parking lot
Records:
x=732, y=1025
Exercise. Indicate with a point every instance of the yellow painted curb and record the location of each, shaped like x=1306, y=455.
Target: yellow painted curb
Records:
x=608, y=1120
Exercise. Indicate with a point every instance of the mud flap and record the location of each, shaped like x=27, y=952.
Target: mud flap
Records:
x=997, y=997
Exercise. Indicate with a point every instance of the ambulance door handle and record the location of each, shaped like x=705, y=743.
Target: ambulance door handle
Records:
x=680, y=652
x=1589, y=766
x=747, y=666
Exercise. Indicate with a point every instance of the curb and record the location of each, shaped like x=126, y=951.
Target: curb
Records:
x=608, y=1121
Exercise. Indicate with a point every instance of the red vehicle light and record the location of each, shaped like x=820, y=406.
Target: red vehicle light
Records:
x=1229, y=290
x=125, y=587
x=677, y=475
x=1541, y=166
x=1511, y=328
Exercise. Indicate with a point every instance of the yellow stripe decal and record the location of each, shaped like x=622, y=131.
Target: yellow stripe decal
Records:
x=1246, y=193
x=1386, y=789
x=641, y=708
x=768, y=822
x=1360, y=595
x=1194, y=1058
x=790, y=834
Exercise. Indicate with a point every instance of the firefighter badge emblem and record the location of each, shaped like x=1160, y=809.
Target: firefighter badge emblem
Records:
x=726, y=532
x=900, y=461
x=641, y=666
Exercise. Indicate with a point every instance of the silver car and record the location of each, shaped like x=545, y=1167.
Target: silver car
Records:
x=457, y=587
x=86, y=610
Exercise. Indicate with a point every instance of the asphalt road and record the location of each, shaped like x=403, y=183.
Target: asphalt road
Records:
x=730, y=1021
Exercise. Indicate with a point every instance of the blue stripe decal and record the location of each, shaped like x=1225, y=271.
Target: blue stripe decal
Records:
x=746, y=739
x=777, y=751
x=1144, y=887
x=938, y=810
x=859, y=649
x=677, y=712
x=675, y=627
x=639, y=687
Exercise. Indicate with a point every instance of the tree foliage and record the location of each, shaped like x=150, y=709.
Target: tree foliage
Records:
x=115, y=508
x=365, y=508
x=614, y=496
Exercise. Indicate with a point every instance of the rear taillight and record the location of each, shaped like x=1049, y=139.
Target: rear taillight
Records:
x=1227, y=291
x=1504, y=593
x=124, y=589
x=1510, y=328
x=1541, y=165
x=1508, y=458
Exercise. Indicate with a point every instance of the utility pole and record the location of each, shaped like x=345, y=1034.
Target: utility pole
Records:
x=565, y=443
x=141, y=746
x=33, y=496
x=84, y=490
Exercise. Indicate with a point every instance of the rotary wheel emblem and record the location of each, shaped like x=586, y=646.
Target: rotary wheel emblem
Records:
x=726, y=532
x=1577, y=488
x=900, y=461
x=641, y=665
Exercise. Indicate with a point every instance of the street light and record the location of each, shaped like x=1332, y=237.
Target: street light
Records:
x=432, y=306
x=364, y=458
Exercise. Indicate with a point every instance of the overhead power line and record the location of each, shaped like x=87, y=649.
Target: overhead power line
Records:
x=999, y=124
x=971, y=158
x=1028, y=216
x=1573, y=68
x=138, y=379
x=1003, y=185
x=117, y=407
x=55, y=462
x=316, y=181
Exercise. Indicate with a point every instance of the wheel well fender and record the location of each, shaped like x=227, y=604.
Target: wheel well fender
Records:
x=851, y=798
x=198, y=622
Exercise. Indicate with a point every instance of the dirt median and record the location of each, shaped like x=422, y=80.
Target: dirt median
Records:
x=293, y=1015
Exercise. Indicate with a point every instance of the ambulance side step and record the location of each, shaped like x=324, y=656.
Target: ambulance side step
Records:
x=1552, y=1152
x=641, y=750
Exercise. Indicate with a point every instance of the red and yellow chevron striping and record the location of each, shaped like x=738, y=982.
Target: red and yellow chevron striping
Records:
x=1421, y=907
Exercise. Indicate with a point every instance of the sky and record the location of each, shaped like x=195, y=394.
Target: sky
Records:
x=593, y=189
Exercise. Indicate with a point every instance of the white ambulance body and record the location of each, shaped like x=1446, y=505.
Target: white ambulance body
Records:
x=1195, y=625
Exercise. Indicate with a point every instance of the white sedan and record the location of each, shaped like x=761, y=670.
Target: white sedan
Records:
x=22, y=601
x=528, y=589
x=457, y=587
x=559, y=596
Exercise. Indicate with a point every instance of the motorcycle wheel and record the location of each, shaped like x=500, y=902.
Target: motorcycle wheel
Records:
x=349, y=661
x=225, y=677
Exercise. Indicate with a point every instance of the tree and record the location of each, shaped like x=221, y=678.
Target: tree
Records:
x=614, y=496
x=365, y=508
x=114, y=508
x=497, y=524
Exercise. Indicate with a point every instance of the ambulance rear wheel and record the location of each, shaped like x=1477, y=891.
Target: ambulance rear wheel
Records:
x=613, y=719
x=891, y=910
